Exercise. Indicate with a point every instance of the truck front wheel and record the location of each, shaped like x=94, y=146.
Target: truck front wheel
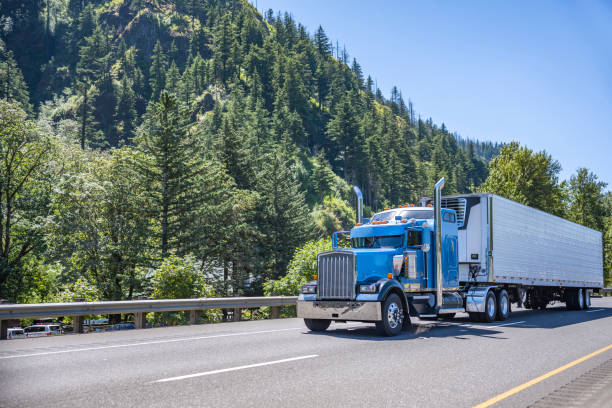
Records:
x=392, y=316
x=317, y=325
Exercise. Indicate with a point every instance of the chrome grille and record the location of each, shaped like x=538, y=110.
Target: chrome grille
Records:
x=336, y=275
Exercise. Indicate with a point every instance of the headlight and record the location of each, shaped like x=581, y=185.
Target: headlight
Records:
x=309, y=289
x=373, y=288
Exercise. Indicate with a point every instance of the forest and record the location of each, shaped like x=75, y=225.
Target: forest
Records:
x=178, y=148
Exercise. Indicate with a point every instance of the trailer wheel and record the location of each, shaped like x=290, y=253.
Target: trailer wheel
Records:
x=392, y=316
x=503, y=305
x=580, y=299
x=317, y=325
x=490, y=308
x=587, y=299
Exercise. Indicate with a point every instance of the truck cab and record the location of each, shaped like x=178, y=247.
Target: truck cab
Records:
x=389, y=272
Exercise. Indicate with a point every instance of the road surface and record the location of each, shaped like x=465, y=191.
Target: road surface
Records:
x=279, y=363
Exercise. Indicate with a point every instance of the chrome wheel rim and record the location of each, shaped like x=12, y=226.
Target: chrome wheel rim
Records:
x=587, y=298
x=580, y=299
x=504, y=305
x=491, y=306
x=394, y=315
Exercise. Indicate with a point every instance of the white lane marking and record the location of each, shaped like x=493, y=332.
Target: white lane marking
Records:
x=596, y=310
x=225, y=370
x=145, y=343
x=508, y=324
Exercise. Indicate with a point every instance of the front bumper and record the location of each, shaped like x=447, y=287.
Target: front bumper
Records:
x=339, y=310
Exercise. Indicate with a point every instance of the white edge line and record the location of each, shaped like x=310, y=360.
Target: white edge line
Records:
x=225, y=370
x=596, y=310
x=144, y=343
x=508, y=324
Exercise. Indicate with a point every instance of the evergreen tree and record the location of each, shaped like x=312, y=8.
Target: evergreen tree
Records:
x=343, y=129
x=284, y=213
x=157, y=72
x=177, y=177
x=173, y=78
x=224, y=49
x=321, y=42
x=356, y=69
x=125, y=113
x=12, y=84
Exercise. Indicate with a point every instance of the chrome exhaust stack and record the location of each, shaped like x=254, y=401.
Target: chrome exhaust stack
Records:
x=358, y=204
x=438, y=223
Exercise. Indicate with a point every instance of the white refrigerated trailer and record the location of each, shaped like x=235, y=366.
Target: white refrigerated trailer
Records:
x=537, y=257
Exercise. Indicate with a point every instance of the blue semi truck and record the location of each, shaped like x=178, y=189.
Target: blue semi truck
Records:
x=475, y=253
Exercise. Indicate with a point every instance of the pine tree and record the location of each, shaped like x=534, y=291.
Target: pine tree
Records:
x=89, y=135
x=157, y=72
x=322, y=177
x=173, y=78
x=343, y=129
x=234, y=155
x=180, y=182
x=356, y=68
x=321, y=42
x=12, y=84
x=285, y=216
x=224, y=50
x=125, y=113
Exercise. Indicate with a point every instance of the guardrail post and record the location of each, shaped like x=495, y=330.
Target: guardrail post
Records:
x=275, y=312
x=237, y=314
x=140, y=320
x=77, y=324
x=3, y=324
x=3, y=329
x=194, y=317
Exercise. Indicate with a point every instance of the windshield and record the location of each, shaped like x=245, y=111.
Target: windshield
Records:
x=405, y=214
x=391, y=241
x=416, y=214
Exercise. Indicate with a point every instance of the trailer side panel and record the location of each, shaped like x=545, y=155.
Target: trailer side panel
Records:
x=536, y=248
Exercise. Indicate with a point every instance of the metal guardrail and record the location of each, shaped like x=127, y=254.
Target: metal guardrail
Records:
x=139, y=307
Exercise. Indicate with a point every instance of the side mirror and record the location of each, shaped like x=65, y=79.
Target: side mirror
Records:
x=398, y=218
x=425, y=248
x=366, y=220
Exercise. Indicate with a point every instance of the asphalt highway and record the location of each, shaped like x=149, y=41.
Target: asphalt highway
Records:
x=279, y=363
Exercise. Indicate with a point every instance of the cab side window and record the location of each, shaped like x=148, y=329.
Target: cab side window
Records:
x=415, y=238
x=449, y=217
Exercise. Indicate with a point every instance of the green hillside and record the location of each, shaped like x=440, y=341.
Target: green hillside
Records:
x=195, y=132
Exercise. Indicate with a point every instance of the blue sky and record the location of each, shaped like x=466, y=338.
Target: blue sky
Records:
x=536, y=72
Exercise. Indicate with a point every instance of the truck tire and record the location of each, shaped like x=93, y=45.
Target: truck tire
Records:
x=587, y=299
x=392, y=316
x=490, y=307
x=503, y=305
x=580, y=299
x=317, y=325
